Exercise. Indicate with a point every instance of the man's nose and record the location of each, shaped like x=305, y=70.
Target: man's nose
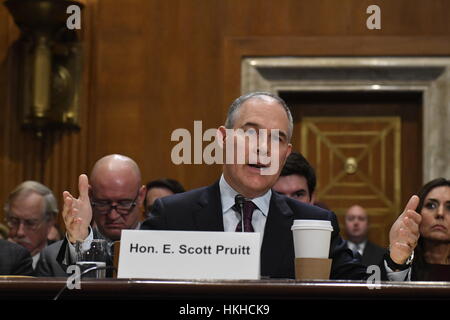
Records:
x=113, y=214
x=264, y=146
x=20, y=229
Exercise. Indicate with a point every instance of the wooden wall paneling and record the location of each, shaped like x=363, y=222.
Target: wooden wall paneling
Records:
x=163, y=83
x=55, y=160
x=154, y=66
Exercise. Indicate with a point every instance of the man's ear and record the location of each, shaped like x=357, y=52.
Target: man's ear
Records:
x=221, y=135
x=289, y=150
x=142, y=194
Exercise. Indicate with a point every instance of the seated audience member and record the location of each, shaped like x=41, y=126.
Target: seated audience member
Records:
x=113, y=200
x=14, y=259
x=356, y=229
x=31, y=211
x=160, y=188
x=297, y=179
x=4, y=232
x=420, y=237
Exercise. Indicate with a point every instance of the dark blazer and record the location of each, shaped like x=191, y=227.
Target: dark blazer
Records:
x=55, y=259
x=48, y=265
x=14, y=259
x=201, y=210
x=373, y=254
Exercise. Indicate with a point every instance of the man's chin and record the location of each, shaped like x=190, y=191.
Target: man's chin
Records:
x=256, y=189
x=26, y=245
x=113, y=233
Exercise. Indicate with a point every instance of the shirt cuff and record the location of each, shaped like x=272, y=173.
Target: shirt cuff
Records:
x=403, y=275
x=86, y=243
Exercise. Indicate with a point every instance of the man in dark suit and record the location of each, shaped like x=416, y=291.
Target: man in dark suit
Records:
x=213, y=208
x=113, y=201
x=14, y=259
x=356, y=228
x=201, y=210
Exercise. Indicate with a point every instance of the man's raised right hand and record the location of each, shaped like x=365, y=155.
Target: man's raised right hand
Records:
x=77, y=213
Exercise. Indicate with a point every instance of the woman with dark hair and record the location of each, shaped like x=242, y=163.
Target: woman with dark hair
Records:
x=431, y=258
x=432, y=254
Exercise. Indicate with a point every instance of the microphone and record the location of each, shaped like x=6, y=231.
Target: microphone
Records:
x=239, y=201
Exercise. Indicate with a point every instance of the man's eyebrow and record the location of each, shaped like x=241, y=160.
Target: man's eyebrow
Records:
x=255, y=125
x=251, y=124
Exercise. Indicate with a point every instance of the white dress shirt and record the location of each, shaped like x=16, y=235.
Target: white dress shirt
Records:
x=35, y=259
x=231, y=218
x=357, y=246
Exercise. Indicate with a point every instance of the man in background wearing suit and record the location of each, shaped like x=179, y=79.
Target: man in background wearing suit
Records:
x=356, y=228
x=297, y=179
x=113, y=200
x=14, y=259
x=213, y=208
x=31, y=211
x=160, y=188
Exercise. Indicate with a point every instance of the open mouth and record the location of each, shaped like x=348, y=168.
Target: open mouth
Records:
x=258, y=165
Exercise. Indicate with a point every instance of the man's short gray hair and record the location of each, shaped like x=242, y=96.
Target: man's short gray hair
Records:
x=231, y=116
x=28, y=187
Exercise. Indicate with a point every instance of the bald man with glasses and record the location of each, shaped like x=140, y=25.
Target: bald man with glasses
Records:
x=111, y=199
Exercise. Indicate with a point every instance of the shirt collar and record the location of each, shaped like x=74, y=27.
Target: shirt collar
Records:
x=360, y=245
x=227, y=195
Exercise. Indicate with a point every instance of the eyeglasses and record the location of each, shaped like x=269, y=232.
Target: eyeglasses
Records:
x=29, y=224
x=123, y=207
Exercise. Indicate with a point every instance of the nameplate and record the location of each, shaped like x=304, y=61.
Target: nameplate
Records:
x=146, y=254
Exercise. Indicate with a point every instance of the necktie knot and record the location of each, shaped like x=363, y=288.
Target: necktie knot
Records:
x=248, y=209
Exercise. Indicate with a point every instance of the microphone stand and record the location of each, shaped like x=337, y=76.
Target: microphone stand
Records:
x=239, y=202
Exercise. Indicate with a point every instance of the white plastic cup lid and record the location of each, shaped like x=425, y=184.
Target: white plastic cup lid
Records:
x=312, y=224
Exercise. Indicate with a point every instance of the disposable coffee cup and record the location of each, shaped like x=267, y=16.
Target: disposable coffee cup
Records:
x=312, y=247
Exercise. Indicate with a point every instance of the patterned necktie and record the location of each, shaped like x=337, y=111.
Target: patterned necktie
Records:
x=249, y=207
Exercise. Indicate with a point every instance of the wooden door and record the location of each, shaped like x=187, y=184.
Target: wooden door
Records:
x=366, y=149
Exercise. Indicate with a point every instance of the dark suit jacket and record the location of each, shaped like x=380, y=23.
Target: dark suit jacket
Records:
x=201, y=210
x=48, y=265
x=373, y=254
x=14, y=259
x=55, y=259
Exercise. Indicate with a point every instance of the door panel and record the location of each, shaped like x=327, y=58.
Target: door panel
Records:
x=352, y=154
x=366, y=149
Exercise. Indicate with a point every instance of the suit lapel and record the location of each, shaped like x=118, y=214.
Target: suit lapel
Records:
x=367, y=250
x=277, y=243
x=209, y=215
x=277, y=246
